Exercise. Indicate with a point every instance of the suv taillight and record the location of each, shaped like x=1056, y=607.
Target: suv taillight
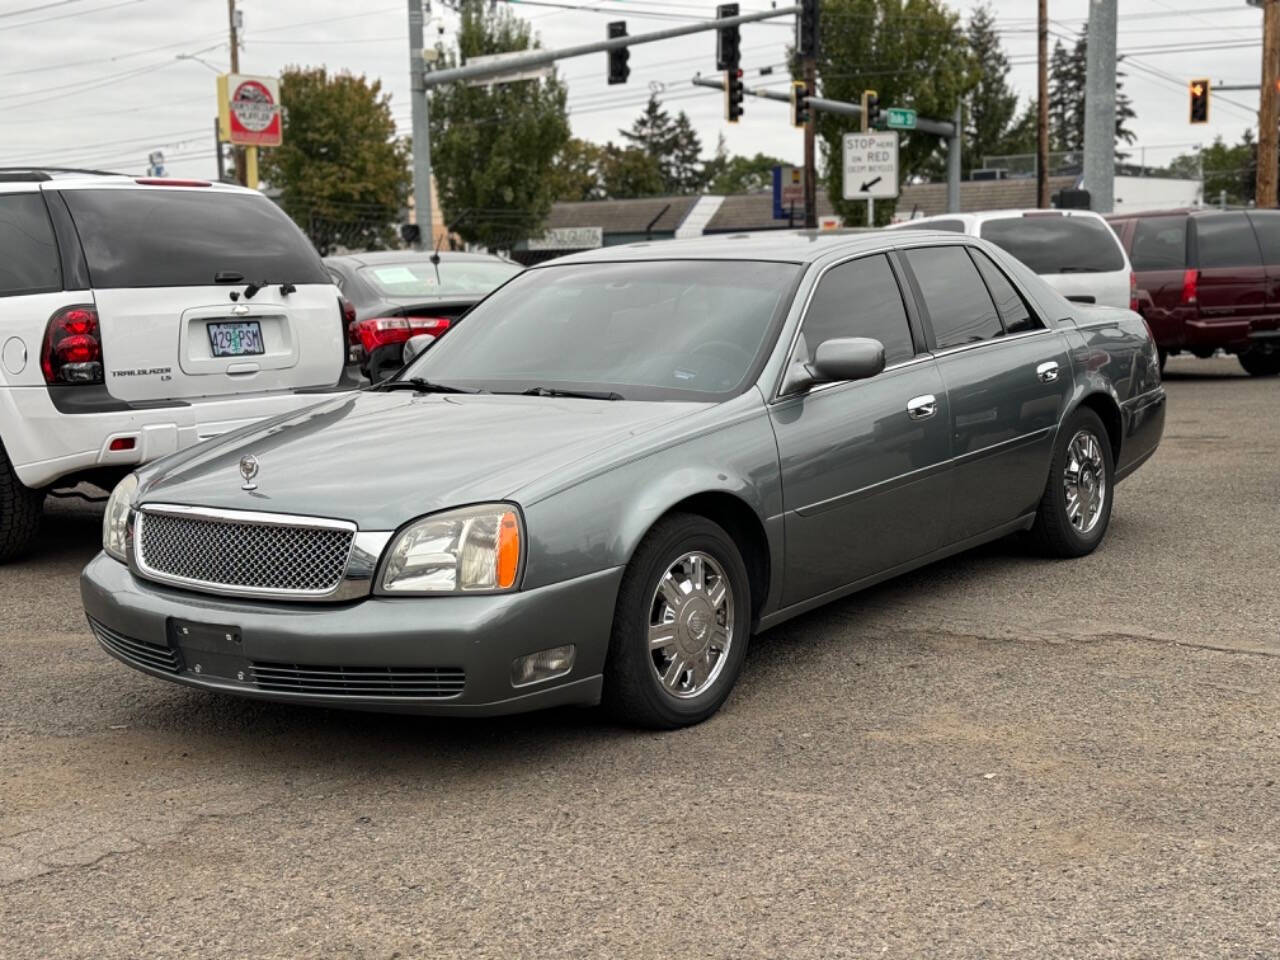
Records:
x=1133, y=291
x=1189, y=281
x=72, y=349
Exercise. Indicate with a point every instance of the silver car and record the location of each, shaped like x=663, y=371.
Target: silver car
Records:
x=624, y=465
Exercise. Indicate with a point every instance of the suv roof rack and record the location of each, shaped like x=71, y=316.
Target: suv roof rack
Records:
x=39, y=173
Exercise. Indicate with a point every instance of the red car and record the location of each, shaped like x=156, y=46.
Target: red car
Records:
x=1209, y=280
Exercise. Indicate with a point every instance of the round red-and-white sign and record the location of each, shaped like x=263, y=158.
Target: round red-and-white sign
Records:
x=255, y=111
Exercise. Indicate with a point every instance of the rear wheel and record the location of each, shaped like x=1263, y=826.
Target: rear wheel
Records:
x=20, y=512
x=1076, y=507
x=1261, y=361
x=680, y=627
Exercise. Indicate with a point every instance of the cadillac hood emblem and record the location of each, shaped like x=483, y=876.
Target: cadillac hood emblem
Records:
x=248, y=470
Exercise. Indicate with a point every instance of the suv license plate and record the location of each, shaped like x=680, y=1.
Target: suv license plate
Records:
x=240, y=339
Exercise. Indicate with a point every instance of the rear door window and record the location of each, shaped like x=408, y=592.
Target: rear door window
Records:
x=860, y=299
x=1266, y=224
x=171, y=237
x=1226, y=240
x=956, y=300
x=1054, y=243
x=28, y=252
x=1013, y=310
x=1159, y=243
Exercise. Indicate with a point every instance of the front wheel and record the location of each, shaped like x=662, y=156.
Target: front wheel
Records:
x=680, y=627
x=1076, y=507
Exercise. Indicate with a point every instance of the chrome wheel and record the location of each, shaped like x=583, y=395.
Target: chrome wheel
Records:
x=690, y=625
x=1084, y=480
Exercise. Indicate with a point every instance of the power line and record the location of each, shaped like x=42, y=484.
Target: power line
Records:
x=78, y=13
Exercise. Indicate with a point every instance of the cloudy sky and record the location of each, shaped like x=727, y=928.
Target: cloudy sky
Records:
x=103, y=82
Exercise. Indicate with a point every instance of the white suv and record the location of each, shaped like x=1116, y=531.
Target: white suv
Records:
x=140, y=316
x=1074, y=251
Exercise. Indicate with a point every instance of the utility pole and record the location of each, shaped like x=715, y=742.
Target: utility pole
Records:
x=1100, y=106
x=1269, y=107
x=1042, y=113
x=807, y=36
x=421, y=129
x=217, y=147
x=236, y=152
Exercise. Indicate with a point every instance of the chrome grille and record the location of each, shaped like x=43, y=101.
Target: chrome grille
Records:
x=261, y=555
x=407, y=682
x=136, y=652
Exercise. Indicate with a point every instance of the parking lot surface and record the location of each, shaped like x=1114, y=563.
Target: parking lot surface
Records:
x=995, y=756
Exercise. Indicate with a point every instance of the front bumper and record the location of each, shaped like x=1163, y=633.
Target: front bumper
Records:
x=242, y=647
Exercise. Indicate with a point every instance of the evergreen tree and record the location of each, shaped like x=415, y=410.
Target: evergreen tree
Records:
x=1067, y=84
x=992, y=105
x=672, y=144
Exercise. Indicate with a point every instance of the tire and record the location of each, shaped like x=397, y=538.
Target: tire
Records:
x=1260, y=363
x=1164, y=356
x=21, y=509
x=1055, y=533
x=633, y=690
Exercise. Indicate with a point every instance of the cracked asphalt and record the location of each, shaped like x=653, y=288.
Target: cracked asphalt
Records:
x=995, y=756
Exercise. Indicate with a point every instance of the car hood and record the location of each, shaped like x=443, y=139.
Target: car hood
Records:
x=381, y=459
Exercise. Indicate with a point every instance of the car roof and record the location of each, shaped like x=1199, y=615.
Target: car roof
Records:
x=412, y=256
x=782, y=246
x=981, y=216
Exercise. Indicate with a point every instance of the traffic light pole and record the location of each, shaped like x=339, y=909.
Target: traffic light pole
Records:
x=421, y=130
x=1100, y=106
x=810, y=160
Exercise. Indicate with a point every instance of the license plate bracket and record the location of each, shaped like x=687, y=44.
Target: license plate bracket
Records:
x=236, y=338
x=210, y=649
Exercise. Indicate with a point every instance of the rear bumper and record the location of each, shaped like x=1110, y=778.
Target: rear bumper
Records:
x=472, y=637
x=44, y=443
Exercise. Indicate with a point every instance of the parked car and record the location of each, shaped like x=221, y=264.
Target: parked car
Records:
x=1209, y=280
x=1071, y=250
x=622, y=465
x=395, y=295
x=140, y=316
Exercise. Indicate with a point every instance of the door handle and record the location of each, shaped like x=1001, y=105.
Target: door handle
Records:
x=922, y=408
x=1047, y=372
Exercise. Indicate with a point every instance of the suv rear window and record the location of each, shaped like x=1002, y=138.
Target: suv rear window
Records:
x=1057, y=244
x=166, y=237
x=1226, y=240
x=1159, y=243
x=28, y=253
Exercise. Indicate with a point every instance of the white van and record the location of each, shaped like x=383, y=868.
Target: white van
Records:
x=1074, y=251
x=141, y=316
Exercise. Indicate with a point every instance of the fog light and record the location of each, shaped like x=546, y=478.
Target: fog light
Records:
x=543, y=665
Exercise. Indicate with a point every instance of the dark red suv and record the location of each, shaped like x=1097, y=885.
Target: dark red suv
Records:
x=1209, y=279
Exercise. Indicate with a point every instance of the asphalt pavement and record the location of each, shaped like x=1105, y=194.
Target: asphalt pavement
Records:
x=996, y=756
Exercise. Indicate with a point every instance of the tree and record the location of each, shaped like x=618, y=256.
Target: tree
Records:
x=629, y=172
x=725, y=174
x=1230, y=171
x=1067, y=83
x=494, y=147
x=575, y=173
x=913, y=53
x=672, y=144
x=992, y=123
x=342, y=174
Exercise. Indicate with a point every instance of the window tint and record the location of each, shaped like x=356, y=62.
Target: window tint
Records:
x=1226, y=240
x=860, y=299
x=28, y=253
x=1266, y=224
x=169, y=237
x=1049, y=243
x=1159, y=243
x=954, y=226
x=1014, y=312
x=959, y=307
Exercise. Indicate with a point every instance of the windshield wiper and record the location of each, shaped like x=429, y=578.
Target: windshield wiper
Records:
x=420, y=385
x=580, y=394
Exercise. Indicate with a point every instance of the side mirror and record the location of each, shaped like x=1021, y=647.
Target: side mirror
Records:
x=415, y=345
x=847, y=358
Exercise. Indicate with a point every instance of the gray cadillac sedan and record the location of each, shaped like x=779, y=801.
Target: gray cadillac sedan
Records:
x=623, y=465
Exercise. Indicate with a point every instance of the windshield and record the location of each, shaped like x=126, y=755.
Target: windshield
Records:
x=1057, y=244
x=654, y=330
x=417, y=278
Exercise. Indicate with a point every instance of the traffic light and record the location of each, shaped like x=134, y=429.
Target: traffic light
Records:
x=1199, y=101
x=870, y=109
x=618, y=69
x=733, y=95
x=807, y=29
x=799, y=103
x=728, y=48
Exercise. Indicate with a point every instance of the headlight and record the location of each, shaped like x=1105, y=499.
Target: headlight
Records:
x=473, y=549
x=115, y=523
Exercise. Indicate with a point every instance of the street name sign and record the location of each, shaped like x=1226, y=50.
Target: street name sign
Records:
x=871, y=166
x=900, y=118
x=515, y=76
